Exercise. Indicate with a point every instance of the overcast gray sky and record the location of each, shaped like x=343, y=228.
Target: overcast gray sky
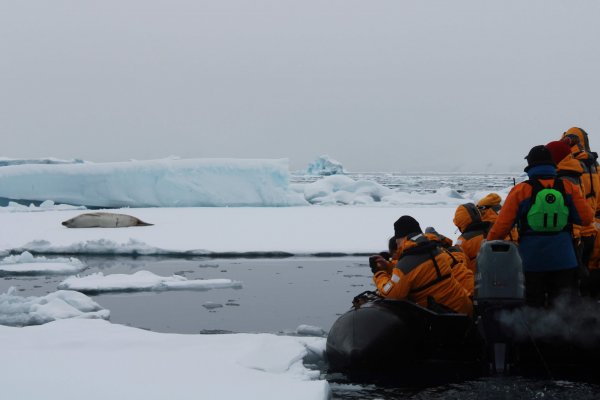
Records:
x=378, y=85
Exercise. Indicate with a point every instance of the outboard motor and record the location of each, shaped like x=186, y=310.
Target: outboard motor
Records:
x=499, y=287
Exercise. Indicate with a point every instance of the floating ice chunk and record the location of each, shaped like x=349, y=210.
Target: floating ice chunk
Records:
x=209, y=305
x=309, y=330
x=21, y=311
x=142, y=281
x=27, y=264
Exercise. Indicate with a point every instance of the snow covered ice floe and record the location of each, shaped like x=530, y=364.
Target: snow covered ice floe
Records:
x=155, y=183
x=142, y=281
x=223, y=230
x=21, y=311
x=98, y=360
x=26, y=264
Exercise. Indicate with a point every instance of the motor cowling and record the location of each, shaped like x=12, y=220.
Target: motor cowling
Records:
x=499, y=277
x=499, y=287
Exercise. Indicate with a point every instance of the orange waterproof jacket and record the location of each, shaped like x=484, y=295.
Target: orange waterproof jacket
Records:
x=542, y=252
x=423, y=270
x=570, y=169
x=460, y=261
x=467, y=219
x=489, y=207
x=590, y=180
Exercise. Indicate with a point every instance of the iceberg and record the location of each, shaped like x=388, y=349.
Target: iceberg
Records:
x=324, y=165
x=154, y=183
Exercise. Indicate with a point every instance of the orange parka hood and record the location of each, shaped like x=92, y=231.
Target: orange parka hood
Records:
x=466, y=215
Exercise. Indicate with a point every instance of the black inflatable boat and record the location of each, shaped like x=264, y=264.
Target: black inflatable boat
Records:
x=383, y=335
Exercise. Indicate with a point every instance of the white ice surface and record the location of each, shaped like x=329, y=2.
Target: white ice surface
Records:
x=96, y=360
x=142, y=281
x=26, y=264
x=295, y=230
x=154, y=183
x=20, y=311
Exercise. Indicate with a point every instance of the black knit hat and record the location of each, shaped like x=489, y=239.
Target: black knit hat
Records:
x=538, y=155
x=405, y=225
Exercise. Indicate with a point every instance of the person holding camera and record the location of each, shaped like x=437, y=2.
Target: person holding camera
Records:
x=422, y=273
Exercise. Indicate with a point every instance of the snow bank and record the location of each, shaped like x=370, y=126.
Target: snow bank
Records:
x=94, y=359
x=324, y=165
x=27, y=264
x=142, y=281
x=156, y=183
x=22, y=311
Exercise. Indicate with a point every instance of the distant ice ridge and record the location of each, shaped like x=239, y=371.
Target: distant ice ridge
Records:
x=142, y=281
x=324, y=165
x=47, y=205
x=343, y=190
x=21, y=311
x=26, y=264
x=4, y=161
x=155, y=183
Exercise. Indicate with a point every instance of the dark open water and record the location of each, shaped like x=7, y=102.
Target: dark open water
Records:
x=277, y=296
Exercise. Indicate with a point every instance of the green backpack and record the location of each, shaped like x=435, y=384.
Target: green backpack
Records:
x=548, y=212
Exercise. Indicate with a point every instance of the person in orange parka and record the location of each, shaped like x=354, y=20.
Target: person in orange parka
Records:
x=578, y=139
x=549, y=261
x=567, y=167
x=460, y=271
x=473, y=229
x=489, y=207
x=423, y=273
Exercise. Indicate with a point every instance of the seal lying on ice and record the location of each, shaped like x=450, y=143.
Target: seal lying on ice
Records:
x=103, y=220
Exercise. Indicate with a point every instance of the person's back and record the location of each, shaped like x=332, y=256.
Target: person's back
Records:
x=580, y=150
x=423, y=271
x=459, y=263
x=473, y=229
x=548, y=255
x=489, y=207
